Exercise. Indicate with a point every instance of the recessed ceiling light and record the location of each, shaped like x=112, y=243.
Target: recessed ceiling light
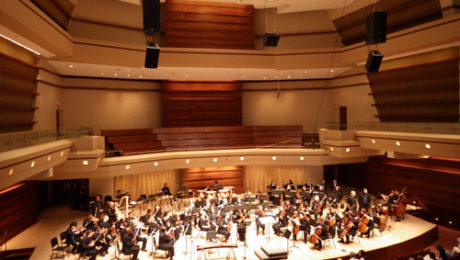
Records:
x=128, y=167
x=306, y=72
x=289, y=76
x=187, y=161
x=347, y=150
x=127, y=75
x=428, y=146
x=265, y=77
x=102, y=73
x=115, y=74
x=373, y=141
x=302, y=158
x=32, y=164
x=10, y=172
x=274, y=158
x=140, y=76
x=242, y=158
x=85, y=162
x=276, y=77
x=62, y=153
x=398, y=143
x=70, y=66
x=155, y=164
x=186, y=75
x=215, y=159
x=332, y=70
x=331, y=148
x=49, y=158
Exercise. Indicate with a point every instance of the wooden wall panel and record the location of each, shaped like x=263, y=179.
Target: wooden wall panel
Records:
x=401, y=14
x=58, y=10
x=422, y=93
x=198, y=178
x=434, y=181
x=201, y=24
x=18, y=89
x=19, y=208
x=201, y=103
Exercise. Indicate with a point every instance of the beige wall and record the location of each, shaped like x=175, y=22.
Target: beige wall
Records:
x=101, y=186
x=45, y=115
x=110, y=109
x=300, y=107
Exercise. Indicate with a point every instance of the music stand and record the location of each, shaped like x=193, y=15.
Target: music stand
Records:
x=287, y=235
x=268, y=221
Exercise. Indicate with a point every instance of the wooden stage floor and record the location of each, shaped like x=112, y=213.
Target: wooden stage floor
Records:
x=404, y=237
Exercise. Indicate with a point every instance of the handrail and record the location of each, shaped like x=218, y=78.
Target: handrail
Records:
x=412, y=127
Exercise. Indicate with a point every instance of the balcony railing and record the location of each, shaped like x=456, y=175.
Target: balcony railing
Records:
x=437, y=128
x=18, y=140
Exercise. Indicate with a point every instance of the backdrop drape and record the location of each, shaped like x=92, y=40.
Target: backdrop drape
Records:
x=146, y=183
x=256, y=178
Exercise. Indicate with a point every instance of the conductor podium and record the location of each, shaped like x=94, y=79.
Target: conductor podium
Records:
x=272, y=252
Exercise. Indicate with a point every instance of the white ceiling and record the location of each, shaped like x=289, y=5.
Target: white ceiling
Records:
x=284, y=6
x=188, y=73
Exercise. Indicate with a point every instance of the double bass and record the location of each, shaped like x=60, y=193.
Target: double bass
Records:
x=315, y=236
x=400, y=207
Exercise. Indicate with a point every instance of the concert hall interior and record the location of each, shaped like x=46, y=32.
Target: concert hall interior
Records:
x=229, y=129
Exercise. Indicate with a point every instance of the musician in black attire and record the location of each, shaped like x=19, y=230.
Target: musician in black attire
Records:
x=166, y=243
x=305, y=224
x=87, y=245
x=305, y=195
x=352, y=203
x=364, y=199
x=97, y=206
x=90, y=221
x=324, y=225
x=146, y=220
x=166, y=190
x=336, y=196
x=204, y=223
x=130, y=246
x=282, y=222
x=224, y=226
x=73, y=236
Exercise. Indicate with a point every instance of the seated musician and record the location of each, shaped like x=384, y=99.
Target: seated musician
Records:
x=97, y=206
x=104, y=223
x=203, y=222
x=305, y=194
x=73, y=236
x=288, y=208
x=364, y=199
x=175, y=222
x=281, y=223
x=290, y=186
x=276, y=198
x=317, y=206
x=90, y=221
x=88, y=245
x=295, y=220
x=348, y=228
x=166, y=190
x=166, y=243
x=100, y=237
x=146, y=219
x=130, y=246
x=272, y=185
x=111, y=211
x=334, y=219
x=260, y=213
x=306, y=222
x=324, y=234
x=225, y=226
x=369, y=225
x=216, y=185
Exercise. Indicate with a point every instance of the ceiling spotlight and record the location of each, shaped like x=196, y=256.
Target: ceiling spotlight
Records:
x=32, y=164
x=428, y=146
x=128, y=167
x=436, y=219
x=398, y=143
x=347, y=150
x=155, y=164
x=186, y=75
x=302, y=158
x=49, y=158
x=10, y=172
x=289, y=76
x=332, y=70
x=140, y=76
x=62, y=153
x=265, y=77
x=242, y=158
x=450, y=222
x=274, y=158
x=306, y=72
x=331, y=148
x=215, y=159
x=70, y=66
x=102, y=73
x=85, y=162
x=115, y=74
x=128, y=75
x=187, y=161
x=373, y=141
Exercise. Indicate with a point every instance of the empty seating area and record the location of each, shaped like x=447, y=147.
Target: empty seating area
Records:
x=139, y=141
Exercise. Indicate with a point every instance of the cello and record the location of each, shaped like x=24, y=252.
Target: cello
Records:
x=347, y=228
x=315, y=236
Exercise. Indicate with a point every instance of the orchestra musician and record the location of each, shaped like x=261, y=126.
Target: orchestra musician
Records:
x=295, y=220
x=290, y=186
x=336, y=196
x=366, y=223
x=87, y=245
x=111, y=211
x=334, y=220
x=306, y=222
x=130, y=246
x=364, y=199
x=73, y=235
x=348, y=228
x=305, y=194
x=352, y=204
x=260, y=213
x=146, y=219
x=203, y=222
x=97, y=206
x=90, y=221
x=225, y=226
x=322, y=227
x=165, y=242
x=317, y=206
x=165, y=190
x=281, y=223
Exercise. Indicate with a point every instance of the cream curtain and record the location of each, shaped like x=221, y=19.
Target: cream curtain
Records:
x=146, y=183
x=256, y=178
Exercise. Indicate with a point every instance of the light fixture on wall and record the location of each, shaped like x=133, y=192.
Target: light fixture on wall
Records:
x=242, y=158
x=274, y=158
x=155, y=164
x=215, y=159
x=85, y=162
x=427, y=146
x=11, y=172
x=128, y=167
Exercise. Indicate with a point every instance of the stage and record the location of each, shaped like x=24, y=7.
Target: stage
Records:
x=407, y=236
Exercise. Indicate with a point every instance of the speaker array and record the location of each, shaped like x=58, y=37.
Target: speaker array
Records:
x=151, y=13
